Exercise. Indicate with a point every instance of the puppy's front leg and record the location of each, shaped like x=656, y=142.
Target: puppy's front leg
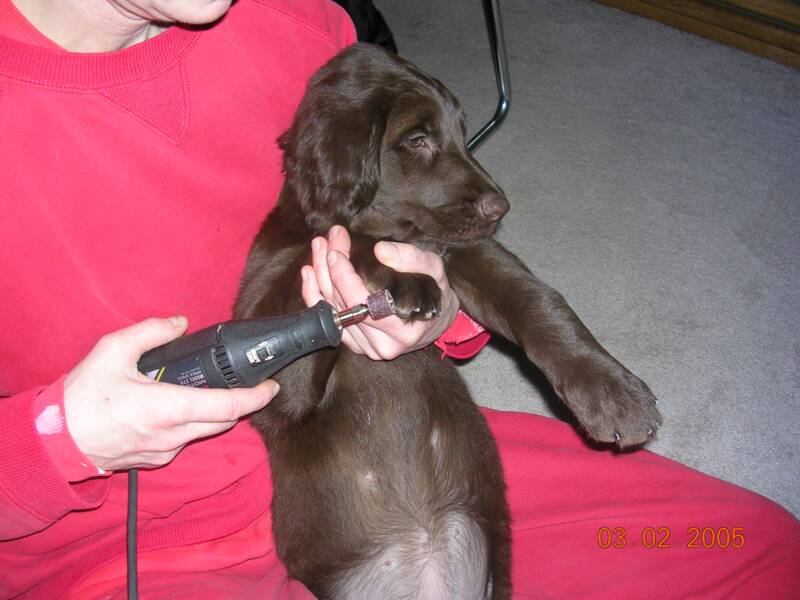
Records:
x=493, y=285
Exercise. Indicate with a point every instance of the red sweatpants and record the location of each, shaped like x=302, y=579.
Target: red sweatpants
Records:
x=596, y=524
x=586, y=524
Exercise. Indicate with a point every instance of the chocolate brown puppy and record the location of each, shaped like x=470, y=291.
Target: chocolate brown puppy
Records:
x=387, y=482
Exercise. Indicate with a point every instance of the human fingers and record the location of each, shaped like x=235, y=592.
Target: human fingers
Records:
x=310, y=286
x=339, y=240
x=193, y=404
x=184, y=405
x=315, y=278
x=177, y=419
x=380, y=340
x=349, y=290
x=407, y=258
x=131, y=423
x=345, y=279
x=146, y=335
x=319, y=261
x=128, y=344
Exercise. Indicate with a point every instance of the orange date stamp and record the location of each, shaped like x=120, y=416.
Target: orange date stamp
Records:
x=663, y=538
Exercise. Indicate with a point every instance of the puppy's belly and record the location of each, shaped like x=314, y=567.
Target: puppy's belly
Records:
x=391, y=489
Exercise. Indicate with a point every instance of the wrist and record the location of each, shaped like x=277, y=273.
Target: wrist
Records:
x=51, y=424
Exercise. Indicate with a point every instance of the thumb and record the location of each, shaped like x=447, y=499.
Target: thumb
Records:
x=407, y=258
x=137, y=339
x=389, y=254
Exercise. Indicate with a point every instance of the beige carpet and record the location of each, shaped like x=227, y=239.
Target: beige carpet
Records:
x=654, y=178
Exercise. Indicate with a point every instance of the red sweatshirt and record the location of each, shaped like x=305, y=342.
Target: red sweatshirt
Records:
x=132, y=184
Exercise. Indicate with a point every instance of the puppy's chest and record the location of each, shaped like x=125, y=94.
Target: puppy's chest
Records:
x=365, y=403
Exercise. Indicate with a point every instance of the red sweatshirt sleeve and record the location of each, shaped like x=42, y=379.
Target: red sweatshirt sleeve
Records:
x=34, y=491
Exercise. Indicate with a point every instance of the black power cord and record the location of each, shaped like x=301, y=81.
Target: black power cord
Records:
x=133, y=571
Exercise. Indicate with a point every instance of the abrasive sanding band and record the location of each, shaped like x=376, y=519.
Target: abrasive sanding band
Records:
x=380, y=305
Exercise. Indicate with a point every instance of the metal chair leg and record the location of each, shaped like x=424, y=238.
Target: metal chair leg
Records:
x=491, y=10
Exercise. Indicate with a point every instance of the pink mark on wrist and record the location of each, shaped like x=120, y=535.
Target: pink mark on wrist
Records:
x=50, y=421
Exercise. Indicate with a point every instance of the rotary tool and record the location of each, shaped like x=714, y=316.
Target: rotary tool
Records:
x=245, y=353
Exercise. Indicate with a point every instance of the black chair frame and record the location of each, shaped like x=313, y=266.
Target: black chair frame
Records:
x=494, y=25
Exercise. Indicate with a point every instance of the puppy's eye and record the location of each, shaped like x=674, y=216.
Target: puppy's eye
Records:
x=416, y=141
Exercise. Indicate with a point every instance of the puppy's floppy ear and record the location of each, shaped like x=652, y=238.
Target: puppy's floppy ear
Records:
x=332, y=150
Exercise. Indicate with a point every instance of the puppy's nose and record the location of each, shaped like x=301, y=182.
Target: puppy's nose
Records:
x=493, y=206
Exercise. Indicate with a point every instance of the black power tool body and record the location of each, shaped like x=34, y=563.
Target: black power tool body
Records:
x=245, y=353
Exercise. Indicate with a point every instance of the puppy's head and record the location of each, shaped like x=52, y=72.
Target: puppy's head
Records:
x=380, y=147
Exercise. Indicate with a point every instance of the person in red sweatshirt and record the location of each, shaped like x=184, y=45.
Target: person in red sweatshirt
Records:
x=139, y=160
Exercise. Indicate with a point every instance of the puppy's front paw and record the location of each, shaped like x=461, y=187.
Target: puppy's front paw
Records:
x=416, y=297
x=611, y=404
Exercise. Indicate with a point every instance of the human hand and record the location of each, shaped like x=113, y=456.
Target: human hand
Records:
x=332, y=278
x=121, y=419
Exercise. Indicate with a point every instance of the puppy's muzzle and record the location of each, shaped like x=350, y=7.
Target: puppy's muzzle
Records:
x=493, y=206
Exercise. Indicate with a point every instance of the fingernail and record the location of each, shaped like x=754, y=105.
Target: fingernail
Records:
x=304, y=274
x=332, y=257
x=333, y=232
x=275, y=389
x=177, y=320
